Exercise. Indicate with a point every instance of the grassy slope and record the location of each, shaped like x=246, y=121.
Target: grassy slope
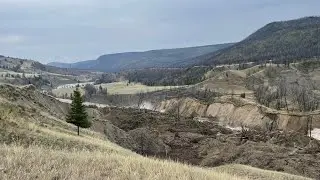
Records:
x=286, y=40
x=54, y=151
x=61, y=155
x=118, y=88
x=41, y=146
x=133, y=88
x=155, y=58
x=254, y=173
x=35, y=162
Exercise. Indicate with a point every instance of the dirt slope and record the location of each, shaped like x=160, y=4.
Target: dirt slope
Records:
x=206, y=143
x=230, y=81
x=237, y=111
x=27, y=120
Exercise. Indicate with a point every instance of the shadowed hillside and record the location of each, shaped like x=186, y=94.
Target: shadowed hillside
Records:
x=278, y=41
x=138, y=60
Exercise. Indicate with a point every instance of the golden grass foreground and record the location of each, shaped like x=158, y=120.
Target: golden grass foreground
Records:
x=35, y=162
x=47, y=148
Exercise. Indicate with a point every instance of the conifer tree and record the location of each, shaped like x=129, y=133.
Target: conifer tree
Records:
x=77, y=114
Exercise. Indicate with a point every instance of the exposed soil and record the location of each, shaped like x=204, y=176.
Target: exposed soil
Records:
x=204, y=143
x=209, y=144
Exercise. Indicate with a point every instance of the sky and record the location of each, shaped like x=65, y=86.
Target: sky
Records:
x=77, y=30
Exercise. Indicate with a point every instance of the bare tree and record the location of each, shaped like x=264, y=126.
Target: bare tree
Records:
x=141, y=97
x=244, y=134
x=283, y=91
x=144, y=140
x=100, y=89
x=305, y=98
x=309, y=126
x=178, y=110
x=263, y=95
x=90, y=90
x=273, y=123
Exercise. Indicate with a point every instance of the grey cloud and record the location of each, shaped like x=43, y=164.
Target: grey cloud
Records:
x=84, y=29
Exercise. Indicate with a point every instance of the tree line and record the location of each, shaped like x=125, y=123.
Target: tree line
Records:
x=167, y=76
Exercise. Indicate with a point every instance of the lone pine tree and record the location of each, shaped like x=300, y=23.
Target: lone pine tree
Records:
x=77, y=114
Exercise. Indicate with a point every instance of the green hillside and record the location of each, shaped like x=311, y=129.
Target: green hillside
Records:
x=278, y=41
x=148, y=59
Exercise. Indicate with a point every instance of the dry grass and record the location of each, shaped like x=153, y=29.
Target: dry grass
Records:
x=253, y=70
x=48, y=148
x=63, y=91
x=56, y=152
x=132, y=88
x=39, y=163
x=38, y=150
x=66, y=156
x=117, y=88
x=255, y=173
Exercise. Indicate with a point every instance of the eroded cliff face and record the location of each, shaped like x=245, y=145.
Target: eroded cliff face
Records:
x=204, y=142
x=238, y=112
x=185, y=107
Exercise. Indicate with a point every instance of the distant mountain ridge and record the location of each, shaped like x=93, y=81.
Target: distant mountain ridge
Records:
x=80, y=65
x=148, y=59
x=278, y=41
x=31, y=66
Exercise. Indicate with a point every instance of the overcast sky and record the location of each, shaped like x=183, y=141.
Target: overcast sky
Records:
x=75, y=30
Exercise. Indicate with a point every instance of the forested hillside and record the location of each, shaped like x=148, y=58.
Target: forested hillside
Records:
x=148, y=59
x=167, y=76
x=278, y=41
x=30, y=66
x=77, y=65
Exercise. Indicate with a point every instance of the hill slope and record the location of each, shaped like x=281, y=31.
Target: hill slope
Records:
x=31, y=66
x=137, y=60
x=279, y=41
x=36, y=144
x=79, y=65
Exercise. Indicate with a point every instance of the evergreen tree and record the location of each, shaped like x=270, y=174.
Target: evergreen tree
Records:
x=78, y=115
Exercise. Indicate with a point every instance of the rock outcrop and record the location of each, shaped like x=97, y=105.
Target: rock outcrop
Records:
x=241, y=112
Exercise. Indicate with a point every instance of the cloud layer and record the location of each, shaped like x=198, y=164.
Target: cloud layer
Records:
x=60, y=30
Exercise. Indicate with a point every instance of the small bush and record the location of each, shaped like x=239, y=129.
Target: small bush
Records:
x=243, y=95
x=92, y=106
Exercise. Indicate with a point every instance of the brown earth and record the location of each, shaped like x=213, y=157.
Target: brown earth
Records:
x=164, y=135
x=236, y=111
x=209, y=144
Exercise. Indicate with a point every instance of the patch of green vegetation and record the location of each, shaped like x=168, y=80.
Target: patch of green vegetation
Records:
x=308, y=66
x=168, y=76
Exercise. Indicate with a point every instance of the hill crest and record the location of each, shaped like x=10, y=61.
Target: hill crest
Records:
x=278, y=41
x=145, y=59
